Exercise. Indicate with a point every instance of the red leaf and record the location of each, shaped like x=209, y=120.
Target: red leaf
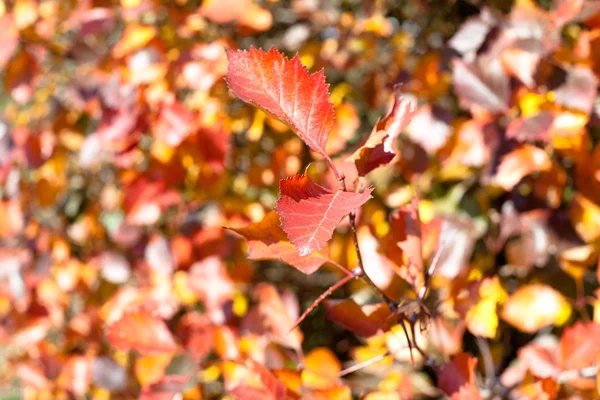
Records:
x=379, y=149
x=141, y=332
x=267, y=241
x=284, y=89
x=364, y=321
x=579, y=346
x=457, y=373
x=405, y=228
x=196, y=333
x=309, y=212
x=482, y=85
x=174, y=123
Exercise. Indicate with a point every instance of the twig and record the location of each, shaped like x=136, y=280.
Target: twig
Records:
x=352, y=216
x=322, y=297
x=432, y=267
x=566, y=376
x=488, y=361
x=364, y=364
x=345, y=271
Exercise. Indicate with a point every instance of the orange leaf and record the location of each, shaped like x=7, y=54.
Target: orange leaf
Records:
x=151, y=369
x=267, y=241
x=519, y=163
x=134, y=38
x=364, y=321
x=141, y=332
x=321, y=369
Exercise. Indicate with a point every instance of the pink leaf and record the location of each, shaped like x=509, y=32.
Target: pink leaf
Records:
x=309, y=213
x=10, y=39
x=529, y=129
x=430, y=128
x=284, y=89
x=482, y=85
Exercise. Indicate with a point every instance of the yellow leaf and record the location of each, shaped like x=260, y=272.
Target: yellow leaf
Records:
x=482, y=319
x=536, y=306
x=575, y=261
x=322, y=369
x=182, y=290
x=134, y=38
x=151, y=369
x=585, y=216
x=25, y=13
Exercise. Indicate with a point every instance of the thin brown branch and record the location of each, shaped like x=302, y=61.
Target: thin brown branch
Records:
x=364, y=364
x=488, y=361
x=345, y=271
x=432, y=267
x=408, y=341
x=352, y=216
x=321, y=298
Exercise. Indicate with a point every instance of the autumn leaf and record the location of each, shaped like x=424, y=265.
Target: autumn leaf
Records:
x=276, y=317
x=519, y=163
x=364, y=321
x=578, y=347
x=532, y=128
x=284, y=89
x=405, y=229
x=459, y=376
x=322, y=369
x=482, y=84
x=585, y=216
x=430, y=128
x=267, y=241
x=141, y=332
x=379, y=149
x=309, y=213
x=10, y=39
x=535, y=306
x=482, y=318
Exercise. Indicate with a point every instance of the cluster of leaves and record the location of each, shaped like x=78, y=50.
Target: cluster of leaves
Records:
x=437, y=203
